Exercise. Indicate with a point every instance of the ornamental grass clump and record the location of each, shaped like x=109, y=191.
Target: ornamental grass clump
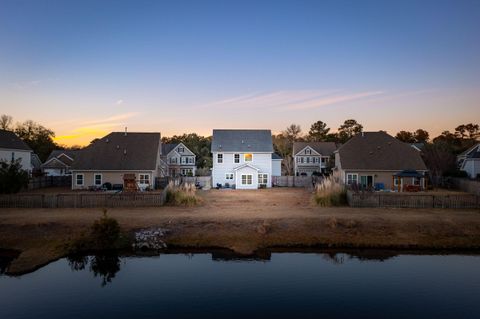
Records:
x=181, y=194
x=330, y=192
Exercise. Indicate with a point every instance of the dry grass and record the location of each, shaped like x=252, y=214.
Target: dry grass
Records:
x=181, y=194
x=330, y=192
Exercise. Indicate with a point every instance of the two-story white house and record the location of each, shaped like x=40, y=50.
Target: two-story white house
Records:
x=312, y=157
x=178, y=159
x=13, y=148
x=242, y=158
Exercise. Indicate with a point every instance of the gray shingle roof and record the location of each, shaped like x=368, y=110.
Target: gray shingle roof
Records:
x=379, y=151
x=10, y=140
x=117, y=151
x=242, y=141
x=275, y=156
x=167, y=148
x=69, y=153
x=323, y=148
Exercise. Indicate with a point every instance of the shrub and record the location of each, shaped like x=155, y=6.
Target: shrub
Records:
x=330, y=192
x=455, y=173
x=104, y=234
x=12, y=177
x=181, y=194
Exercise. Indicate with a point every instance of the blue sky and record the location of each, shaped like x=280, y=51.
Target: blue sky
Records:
x=84, y=68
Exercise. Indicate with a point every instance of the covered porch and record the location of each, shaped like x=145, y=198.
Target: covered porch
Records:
x=409, y=181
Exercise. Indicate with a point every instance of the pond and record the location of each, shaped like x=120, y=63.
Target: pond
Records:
x=270, y=285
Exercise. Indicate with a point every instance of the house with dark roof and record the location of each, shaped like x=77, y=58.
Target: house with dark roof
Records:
x=243, y=158
x=469, y=161
x=13, y=148
x=378, y=160
x=59, y=162
x=119, y=159
x=177, y=160
x=310, y=158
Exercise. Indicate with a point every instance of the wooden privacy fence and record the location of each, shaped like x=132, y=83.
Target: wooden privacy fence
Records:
x=412, y=200
x=94, y=200
x=295, y=181
x=49, y=181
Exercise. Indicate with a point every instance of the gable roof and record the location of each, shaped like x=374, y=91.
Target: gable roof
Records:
x=323, y=148
x=168, y=147
x=120, y=151
x=472, y=152
x=379, y=151
x=10, y=140
x=57, y=155
x=242, y=141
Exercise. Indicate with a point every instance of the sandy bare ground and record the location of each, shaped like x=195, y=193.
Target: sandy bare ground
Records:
x=245, y=221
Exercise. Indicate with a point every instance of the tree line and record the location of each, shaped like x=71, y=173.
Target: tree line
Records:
x=438, y=153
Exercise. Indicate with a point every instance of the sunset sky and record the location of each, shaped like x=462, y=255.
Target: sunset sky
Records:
x=85, y=68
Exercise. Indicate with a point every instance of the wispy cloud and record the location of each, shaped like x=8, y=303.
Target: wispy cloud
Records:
x=291, y=99
x=25, y=85
x=119, y=102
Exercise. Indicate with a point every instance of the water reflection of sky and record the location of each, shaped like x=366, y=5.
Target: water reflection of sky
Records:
x=288, y=285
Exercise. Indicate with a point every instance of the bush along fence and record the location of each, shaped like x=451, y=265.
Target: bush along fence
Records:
x=82, y=200
x=394, y=200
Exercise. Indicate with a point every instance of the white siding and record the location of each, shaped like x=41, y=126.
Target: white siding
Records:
x=472, y=167
x=276, y=167
x=25, y=156
x=262, y=161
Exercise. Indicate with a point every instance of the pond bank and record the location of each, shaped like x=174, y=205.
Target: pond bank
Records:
x=245, y=221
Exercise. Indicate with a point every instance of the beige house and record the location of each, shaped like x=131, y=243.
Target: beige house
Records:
x=377, y=160
x=116, y=157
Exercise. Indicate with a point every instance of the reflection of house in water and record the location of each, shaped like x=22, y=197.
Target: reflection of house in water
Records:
x=229, y=255
x=339, y=257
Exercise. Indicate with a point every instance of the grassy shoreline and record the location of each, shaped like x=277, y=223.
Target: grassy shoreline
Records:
x=244, y=222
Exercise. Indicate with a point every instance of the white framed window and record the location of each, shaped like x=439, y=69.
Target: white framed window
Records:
x=229, y=176
x=308, y=151
x=262, y=179
x=247, y=179
x=301, y=159
x=144, y=178
x=236, y=158
x=248, y=157
x=219, y=158
x=79, y=179
x=97, y=178
x=416, y=181
x=352, y=179
x=181, y=149
x=308, y=160
x=396, y=181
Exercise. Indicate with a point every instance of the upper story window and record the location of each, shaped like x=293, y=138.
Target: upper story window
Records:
x=236, y=158
x=181, y=149
x=219, y=158
x=308, y=151
x=248, y=157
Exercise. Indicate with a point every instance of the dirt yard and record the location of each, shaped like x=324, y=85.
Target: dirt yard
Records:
x=245, y=221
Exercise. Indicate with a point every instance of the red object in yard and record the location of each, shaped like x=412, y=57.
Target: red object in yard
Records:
x=412, y=188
